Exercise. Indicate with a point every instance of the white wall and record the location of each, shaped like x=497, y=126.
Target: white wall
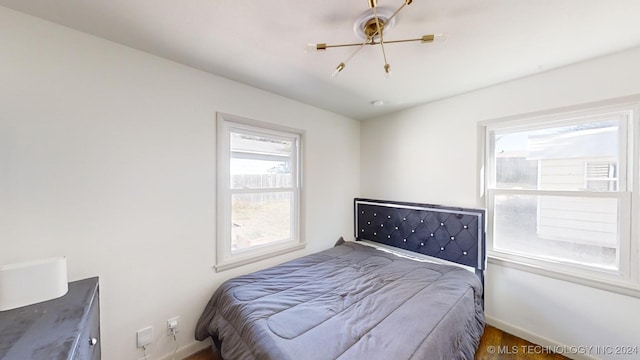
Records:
x=429, y=154
x=107, y=156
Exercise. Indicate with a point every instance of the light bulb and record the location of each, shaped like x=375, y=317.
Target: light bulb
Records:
x=440, y=37
x=309, y=48
x=338, y=69
x=314, y=47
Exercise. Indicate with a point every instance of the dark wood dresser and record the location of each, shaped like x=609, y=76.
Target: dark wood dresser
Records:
x=66, y=328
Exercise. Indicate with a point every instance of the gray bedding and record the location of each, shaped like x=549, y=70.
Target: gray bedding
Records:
x=349, y=302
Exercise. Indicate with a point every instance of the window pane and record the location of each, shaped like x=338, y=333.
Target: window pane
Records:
x=574, y=229
x=260, y=219
x=260, y=162
x=580, y=157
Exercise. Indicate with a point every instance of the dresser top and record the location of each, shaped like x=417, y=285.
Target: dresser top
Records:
x=43, y=330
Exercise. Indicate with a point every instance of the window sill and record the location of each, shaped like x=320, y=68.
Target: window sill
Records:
x=233, y=263
x=615, y=286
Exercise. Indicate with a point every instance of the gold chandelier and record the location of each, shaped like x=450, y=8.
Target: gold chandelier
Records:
x=370, y=26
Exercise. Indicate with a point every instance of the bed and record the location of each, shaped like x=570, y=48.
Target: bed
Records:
x=360, y=300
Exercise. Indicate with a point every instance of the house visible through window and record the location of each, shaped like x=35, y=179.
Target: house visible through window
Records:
x=601, y=175
x=259, y=190
x=558, y=194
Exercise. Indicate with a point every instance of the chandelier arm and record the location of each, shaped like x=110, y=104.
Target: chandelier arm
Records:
x=356, y=51
x=424, y=39
x=341, y=66
x=380, y=31
x=368, y=41
x=354, y=44
x=397, y=11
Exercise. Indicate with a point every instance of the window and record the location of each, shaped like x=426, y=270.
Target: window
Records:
x=259, y=191
x=559, y=190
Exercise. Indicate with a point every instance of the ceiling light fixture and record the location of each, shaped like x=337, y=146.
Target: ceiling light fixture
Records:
x=370, y=27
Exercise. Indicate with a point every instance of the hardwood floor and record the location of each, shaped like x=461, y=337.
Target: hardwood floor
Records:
x=494, y=345
x=499, y=345
x=206, y=354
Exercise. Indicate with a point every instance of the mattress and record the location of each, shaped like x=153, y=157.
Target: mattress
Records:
x=348, y=302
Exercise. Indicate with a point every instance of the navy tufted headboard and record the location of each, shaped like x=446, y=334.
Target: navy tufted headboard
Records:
x=448, y=233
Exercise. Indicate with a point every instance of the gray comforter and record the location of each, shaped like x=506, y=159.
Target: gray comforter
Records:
x=349, y=302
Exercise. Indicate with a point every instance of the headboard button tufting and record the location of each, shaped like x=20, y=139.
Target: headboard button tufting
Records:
x=423, y=223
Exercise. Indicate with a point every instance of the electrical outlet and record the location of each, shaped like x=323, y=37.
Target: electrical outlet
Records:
x=172, y=325
x=144, y=336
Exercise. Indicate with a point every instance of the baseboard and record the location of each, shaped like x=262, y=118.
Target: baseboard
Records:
x=188, y=350
x=539, y=340
x=196, y=346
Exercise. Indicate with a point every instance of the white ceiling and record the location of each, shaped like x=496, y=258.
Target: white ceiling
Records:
x=261, y=43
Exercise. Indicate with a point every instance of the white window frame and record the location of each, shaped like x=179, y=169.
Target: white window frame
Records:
x=225, y=258
x=627, y=279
